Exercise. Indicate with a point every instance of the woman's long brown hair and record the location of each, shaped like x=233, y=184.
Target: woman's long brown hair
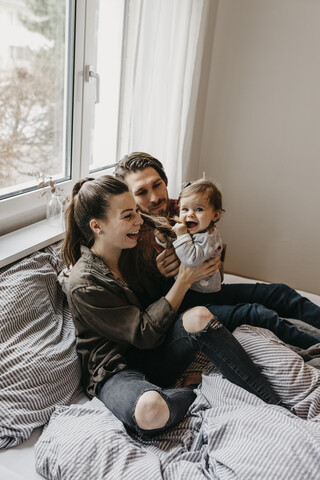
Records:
x=90, y=199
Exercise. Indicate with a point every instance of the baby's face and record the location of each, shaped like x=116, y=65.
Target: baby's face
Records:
x=196, y=213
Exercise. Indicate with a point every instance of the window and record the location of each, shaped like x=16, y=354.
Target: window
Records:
x=86, y=81
x=60, y=91
x=109, y=28
x=35, y=93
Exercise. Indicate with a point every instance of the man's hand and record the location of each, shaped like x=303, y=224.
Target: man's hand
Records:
x=168, y=263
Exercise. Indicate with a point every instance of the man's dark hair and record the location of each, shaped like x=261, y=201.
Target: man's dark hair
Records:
x=138, y=161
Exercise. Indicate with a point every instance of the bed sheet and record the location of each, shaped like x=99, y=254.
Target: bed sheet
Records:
x=18, y=463
x=227, y=434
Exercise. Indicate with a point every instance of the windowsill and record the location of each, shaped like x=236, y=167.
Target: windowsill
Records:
x=18, y=244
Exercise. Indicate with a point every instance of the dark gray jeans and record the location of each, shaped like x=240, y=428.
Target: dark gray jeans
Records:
x=158, y=369
x=261, y=305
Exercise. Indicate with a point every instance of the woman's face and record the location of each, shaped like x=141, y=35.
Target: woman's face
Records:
x=123, y=223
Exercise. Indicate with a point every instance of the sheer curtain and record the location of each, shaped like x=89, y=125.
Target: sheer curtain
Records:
x=161, y=71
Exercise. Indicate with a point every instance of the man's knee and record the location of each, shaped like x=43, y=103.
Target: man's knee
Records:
x=279, y=289
x=151, y=411
x=196, y=319
x=260, y=311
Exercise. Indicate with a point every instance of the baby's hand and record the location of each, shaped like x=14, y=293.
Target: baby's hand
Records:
x=180, y=229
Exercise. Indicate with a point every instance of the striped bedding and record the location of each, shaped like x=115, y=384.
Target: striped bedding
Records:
x=39, y=367
x=227, y=433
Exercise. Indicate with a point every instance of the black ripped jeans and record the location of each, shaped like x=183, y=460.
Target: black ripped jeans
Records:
x=158, y=369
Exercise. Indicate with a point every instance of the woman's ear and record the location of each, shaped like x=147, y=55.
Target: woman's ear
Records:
x=94, y=225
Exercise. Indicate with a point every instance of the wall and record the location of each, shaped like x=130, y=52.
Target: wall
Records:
x=261, y=138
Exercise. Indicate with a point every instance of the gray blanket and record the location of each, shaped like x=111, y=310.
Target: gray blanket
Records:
x=228, y=433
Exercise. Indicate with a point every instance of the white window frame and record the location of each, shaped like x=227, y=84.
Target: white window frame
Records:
x=28, y=208
x=23, y=228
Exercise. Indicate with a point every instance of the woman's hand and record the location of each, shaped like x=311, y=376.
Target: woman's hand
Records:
x=187, y=276
x=199, y=272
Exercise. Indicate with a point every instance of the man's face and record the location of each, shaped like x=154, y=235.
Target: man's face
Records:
x=149, y=190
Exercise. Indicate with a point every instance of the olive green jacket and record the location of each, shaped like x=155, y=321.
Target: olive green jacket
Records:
x=109, y=318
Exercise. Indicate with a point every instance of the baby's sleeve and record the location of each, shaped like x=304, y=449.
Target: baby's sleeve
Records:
x=194, y=249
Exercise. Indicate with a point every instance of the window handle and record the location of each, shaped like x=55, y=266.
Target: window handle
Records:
x=90, y=76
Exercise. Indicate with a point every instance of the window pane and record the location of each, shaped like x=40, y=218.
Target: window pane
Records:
x=34, y=92
x=104, y=134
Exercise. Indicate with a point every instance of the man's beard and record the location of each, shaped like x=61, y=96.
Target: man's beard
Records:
x=164, y=210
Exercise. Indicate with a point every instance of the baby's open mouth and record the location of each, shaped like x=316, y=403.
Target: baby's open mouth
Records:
x=191, y=225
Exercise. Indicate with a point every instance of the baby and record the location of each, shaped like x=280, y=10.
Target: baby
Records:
x=198, y=238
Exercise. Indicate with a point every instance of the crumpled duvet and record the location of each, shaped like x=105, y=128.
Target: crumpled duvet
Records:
x=227, y=434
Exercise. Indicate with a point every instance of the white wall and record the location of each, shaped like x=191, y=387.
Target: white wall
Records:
x=261, y=137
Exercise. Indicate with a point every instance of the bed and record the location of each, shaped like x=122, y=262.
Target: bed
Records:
x=49, y=429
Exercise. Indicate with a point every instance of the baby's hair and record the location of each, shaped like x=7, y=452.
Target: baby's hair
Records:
x=203, y=187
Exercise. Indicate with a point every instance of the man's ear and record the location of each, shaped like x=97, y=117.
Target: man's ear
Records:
x=216, y=216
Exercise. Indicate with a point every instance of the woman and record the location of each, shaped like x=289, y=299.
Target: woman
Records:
x=131, y=353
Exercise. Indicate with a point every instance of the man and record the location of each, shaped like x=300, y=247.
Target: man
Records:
x=256, y=304
x=148, y=182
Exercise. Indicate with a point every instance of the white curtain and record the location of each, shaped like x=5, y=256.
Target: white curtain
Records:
x=162, y=60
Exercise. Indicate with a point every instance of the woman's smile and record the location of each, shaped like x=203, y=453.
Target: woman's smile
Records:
x=133, y=235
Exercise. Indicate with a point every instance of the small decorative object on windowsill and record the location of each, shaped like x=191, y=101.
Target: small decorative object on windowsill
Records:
x=55, y=211
x=57, y=201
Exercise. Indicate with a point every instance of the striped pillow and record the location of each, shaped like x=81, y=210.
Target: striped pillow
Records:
x=39, y=366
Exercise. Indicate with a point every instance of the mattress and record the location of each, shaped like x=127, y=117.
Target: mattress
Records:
x=18, y=463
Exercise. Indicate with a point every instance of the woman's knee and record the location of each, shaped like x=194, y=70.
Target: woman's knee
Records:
x=196, y=319
x=151, y=411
